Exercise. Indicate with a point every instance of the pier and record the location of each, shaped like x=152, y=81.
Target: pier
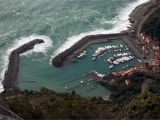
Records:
x=90, y=79
x=134, y=50
x=73, y=79
x=93, y=75
x=83, y=84
x=70, y=55
x=11, y=74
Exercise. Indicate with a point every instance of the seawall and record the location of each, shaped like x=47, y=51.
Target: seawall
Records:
x=11, y=74
x=59, y=60
x=135, y=18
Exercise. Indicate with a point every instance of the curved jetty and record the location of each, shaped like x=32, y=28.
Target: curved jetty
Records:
x=11, y=74
x=70, y=55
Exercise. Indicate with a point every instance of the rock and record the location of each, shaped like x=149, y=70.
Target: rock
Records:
x=138, y=14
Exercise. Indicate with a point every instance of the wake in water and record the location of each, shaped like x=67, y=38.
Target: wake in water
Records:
x=39, y=48
x=121, y=23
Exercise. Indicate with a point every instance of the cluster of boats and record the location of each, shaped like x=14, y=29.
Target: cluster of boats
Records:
x=119, y=58
x=83, y=54
x=102, y=50
x=113, y=61
x=97, y=74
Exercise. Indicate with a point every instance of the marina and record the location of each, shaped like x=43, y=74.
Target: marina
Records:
x=74, y=45
x=120, y=58
x=81, y=81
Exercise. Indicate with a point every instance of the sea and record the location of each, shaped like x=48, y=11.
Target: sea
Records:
x=60, y=23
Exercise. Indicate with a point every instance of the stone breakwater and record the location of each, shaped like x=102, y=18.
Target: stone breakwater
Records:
x=11, y=74
x=61, y=58
x=135, y=18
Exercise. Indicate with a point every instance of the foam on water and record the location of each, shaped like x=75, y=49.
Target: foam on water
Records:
x=39, y=48
x=121, y=22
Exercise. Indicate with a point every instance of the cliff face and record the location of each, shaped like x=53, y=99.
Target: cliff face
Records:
x=138, y=14
x=11, y=75
x=152, y=25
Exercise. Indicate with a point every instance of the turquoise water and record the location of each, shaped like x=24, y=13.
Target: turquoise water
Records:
x=53, y=77
x=57, y=21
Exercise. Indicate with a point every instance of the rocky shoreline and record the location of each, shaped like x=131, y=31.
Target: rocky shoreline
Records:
x=135, y=18
x=11, y=74
x=138, y=14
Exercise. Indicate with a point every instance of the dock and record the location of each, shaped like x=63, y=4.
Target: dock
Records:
x=90, y=79
x=80, y=85
x=73, y=79
x=68, y=56
x=94, y=76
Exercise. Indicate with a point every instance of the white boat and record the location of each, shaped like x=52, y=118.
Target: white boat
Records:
x=82, y=81
x=111, y=66
x=102, y=50
x=121, y=45
x=93, y=59
x=139, y=60
x=82, y=54
x=66, y=87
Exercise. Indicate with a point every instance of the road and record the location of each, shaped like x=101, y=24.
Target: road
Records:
x=145, y=18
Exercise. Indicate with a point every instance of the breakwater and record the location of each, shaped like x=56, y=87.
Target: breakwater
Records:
x=11, y=74
x=135, y=18
x=60, y=59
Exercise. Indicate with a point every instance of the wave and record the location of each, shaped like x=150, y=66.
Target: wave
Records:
x=39, y=48
x=121, y=23
x=7, y=33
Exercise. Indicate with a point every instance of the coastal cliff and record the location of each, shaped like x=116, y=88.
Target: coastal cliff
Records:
x=138, y=14
x=11, y=74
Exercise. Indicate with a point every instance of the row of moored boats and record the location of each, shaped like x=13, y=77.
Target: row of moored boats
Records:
x=113, y=61
x=119, y=58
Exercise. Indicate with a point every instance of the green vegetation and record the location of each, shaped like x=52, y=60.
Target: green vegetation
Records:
x=144, y=106
x=126, y=102
x=154, y=85
x=123, y=92
x=152, y=25
x=47, y=104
